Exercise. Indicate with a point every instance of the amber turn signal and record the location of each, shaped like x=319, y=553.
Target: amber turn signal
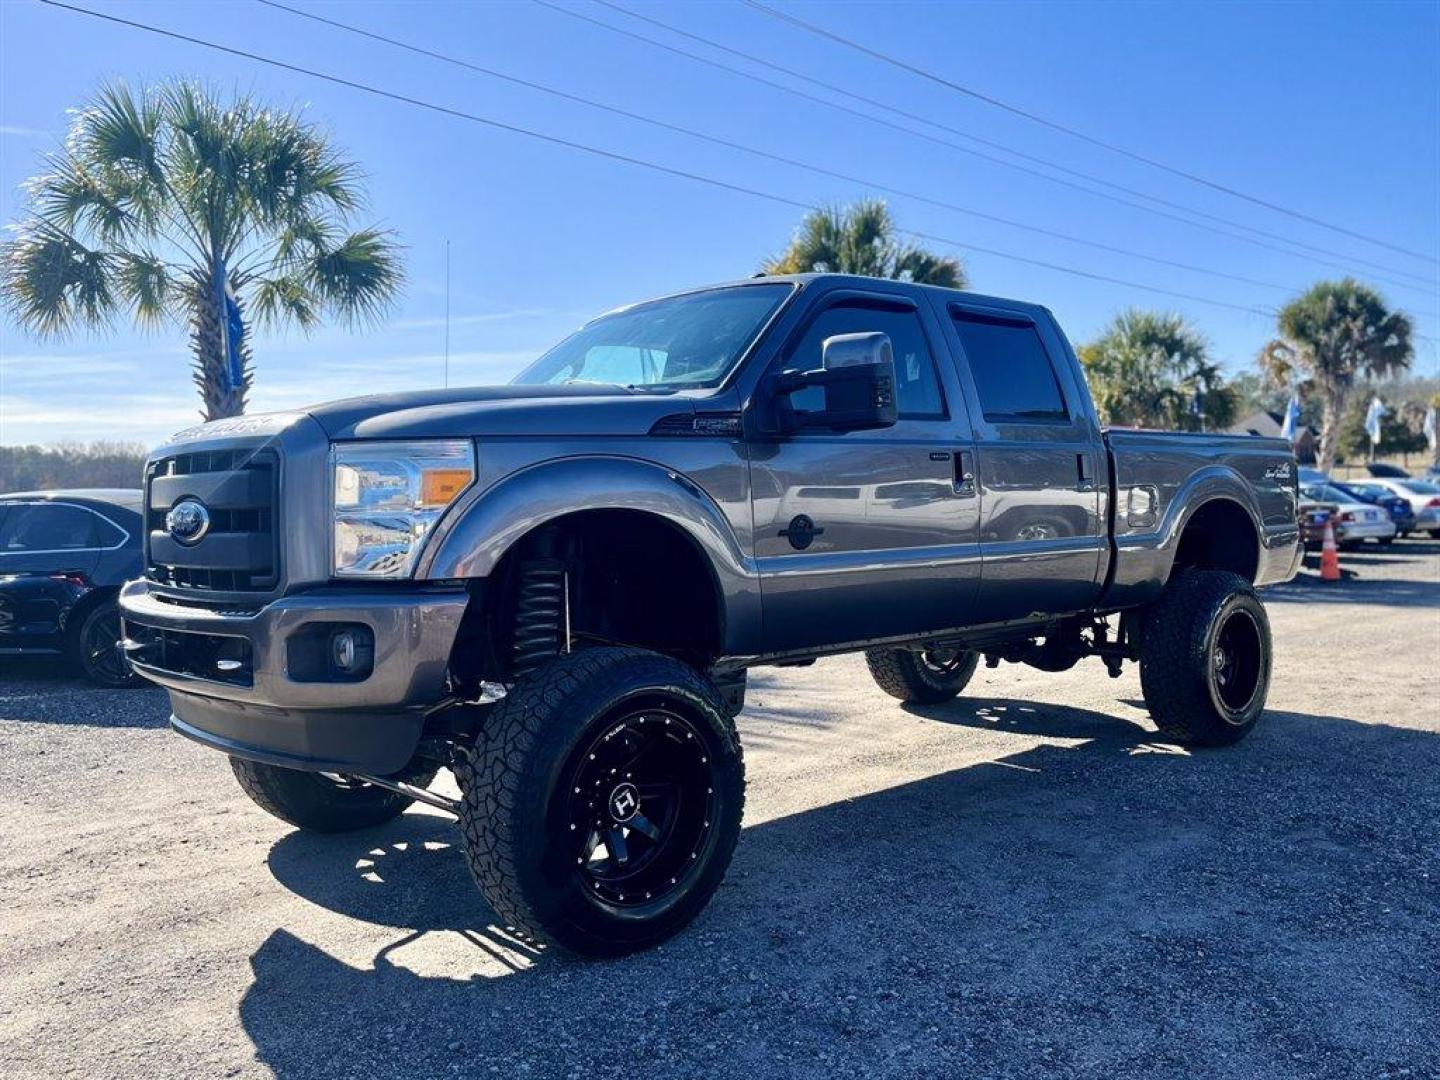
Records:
x=438, y=487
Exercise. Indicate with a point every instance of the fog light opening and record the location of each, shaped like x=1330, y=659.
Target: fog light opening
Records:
x=342, y=650
x=352, y=652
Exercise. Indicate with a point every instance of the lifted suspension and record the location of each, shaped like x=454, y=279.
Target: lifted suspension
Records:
x=1071, y=643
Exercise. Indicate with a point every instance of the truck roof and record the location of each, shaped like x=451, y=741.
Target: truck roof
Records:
x=858, y=281
x=128, y=498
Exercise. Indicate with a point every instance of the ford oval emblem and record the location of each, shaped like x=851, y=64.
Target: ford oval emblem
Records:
x=188, y=522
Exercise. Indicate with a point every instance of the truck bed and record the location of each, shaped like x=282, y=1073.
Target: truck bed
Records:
x=1160, y=478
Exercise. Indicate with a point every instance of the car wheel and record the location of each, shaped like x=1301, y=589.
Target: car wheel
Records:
x=602, y=801
x=324, y=802
x=921, y=677
x=1205, y=658
x=97, y=648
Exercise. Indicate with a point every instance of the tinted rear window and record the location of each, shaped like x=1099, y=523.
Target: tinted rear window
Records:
x=56, y=527
x=1013, y=375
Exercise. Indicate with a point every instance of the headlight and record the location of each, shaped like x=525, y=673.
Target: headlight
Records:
x=387, y=496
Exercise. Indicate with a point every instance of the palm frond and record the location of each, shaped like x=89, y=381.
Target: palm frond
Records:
x=282, y=299
x=358, y=278
x=52, y=284
x=144, y=283
x=861, y=239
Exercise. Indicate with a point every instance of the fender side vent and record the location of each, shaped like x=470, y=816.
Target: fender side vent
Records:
x=723, y=425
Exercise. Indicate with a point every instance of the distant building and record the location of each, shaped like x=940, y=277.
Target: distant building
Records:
x=1263, y=422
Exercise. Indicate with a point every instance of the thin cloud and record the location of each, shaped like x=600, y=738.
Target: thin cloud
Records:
x=478, y=320
x=18, y=132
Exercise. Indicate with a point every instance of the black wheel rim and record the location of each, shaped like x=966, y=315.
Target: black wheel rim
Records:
x=942, y=663
x=102, y=650
x=1236, y=664
x=640, y=804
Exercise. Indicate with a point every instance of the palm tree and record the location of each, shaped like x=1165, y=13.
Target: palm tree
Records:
x=176, y=208
x=1334, y=333
x=1151, y=369
x=861, y=239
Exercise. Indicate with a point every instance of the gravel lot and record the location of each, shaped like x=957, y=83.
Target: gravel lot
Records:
x=1023, y=883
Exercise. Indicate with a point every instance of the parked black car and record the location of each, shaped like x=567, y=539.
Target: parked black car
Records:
x=63, y=558
x=1386, y=471
x=1400, y=510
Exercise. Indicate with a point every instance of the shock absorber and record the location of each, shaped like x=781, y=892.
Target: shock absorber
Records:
x=542, y=615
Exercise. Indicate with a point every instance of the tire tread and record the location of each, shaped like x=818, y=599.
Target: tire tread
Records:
x=520, y=737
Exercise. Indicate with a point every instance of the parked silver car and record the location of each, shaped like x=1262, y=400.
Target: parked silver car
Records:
x=1424, y=499
x=1362, y=521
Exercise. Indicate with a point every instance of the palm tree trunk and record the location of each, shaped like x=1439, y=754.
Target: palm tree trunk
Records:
x=211, y=365
x=1332, y=408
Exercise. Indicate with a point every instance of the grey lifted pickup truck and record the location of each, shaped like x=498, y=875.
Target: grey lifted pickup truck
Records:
x=555, y=588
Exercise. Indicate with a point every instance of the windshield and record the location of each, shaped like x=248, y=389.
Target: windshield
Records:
x=1366, y=492
x=1326, y=493
x=679, y=342
x=1419, y=487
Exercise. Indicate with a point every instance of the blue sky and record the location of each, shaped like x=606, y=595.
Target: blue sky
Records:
x=1331, y=109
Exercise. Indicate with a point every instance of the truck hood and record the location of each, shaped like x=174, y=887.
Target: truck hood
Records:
x=498, y=410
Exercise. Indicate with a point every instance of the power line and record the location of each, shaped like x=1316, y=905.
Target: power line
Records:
x=994, y=144
x=718, y=141
x=820, y=31
x=1418, y=282
x=612, y=155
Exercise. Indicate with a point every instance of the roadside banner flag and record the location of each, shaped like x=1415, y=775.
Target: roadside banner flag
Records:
x=232, y=330
x=1290, y=428
x=1373, y=416
x=1431, y=430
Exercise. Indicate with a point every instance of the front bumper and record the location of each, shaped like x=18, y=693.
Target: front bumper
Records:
x=263, y=708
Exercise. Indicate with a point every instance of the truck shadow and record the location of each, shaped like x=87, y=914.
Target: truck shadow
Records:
x=1109, y=906
x=1357, y=589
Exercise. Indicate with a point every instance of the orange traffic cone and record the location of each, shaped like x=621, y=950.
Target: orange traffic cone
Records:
x=1329, y=557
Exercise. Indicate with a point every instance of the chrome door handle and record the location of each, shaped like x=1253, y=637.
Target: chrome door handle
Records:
x=964, y=482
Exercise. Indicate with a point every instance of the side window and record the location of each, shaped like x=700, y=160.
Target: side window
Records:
x=48, y=528
x=917, y=388
x=1013, y=375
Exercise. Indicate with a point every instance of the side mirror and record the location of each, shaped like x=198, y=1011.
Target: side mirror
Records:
x=857, y=374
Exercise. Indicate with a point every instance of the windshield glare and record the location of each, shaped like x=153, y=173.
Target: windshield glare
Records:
x=680, y=342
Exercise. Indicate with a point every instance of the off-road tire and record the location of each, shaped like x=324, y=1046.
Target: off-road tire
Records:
x=1180, y=675
x=320, y=802
x=516, y=786
x=103, y=668
x=905, y=674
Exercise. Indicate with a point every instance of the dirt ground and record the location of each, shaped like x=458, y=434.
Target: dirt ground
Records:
x=1022, y=883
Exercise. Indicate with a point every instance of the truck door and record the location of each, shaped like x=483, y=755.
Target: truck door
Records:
x=868, y=534
x=1041, y=465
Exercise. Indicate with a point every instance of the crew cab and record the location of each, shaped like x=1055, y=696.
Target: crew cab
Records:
x=555, y=588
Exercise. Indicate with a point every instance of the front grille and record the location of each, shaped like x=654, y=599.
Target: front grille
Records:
x=240, y=552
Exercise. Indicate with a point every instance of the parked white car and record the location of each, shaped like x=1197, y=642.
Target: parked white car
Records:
x=1424, y=499
x=1362, y=521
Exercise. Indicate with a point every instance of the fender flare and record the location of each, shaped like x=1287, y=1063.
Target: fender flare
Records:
x=475, y=536
x=1144, y=560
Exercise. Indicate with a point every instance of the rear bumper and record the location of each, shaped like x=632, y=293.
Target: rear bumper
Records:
x=263, y=709
x=1369, y=530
